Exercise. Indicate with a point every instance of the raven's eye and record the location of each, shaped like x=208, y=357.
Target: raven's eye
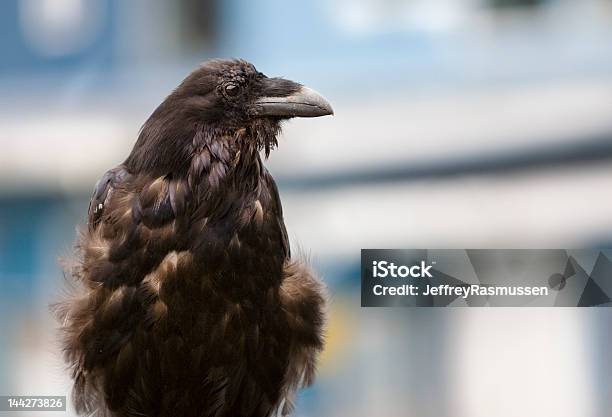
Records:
x=231, y=90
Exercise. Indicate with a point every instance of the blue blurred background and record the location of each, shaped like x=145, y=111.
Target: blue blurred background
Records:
x=459, y=124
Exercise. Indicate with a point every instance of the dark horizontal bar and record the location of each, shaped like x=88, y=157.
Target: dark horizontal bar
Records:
x=579, y=152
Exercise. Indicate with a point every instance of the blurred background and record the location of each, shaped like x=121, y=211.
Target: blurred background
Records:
x=459, y=124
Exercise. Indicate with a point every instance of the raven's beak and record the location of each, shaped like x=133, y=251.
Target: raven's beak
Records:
x=304, y=102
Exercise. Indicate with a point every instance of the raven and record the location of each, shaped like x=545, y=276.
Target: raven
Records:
x=189, y=302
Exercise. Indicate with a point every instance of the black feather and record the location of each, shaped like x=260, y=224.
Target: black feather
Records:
x=191, y=305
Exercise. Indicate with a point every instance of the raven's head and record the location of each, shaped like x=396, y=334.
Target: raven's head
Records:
x=223, y=98
x=233, y=92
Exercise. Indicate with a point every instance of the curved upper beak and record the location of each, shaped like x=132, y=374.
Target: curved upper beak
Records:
x=303, y=102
